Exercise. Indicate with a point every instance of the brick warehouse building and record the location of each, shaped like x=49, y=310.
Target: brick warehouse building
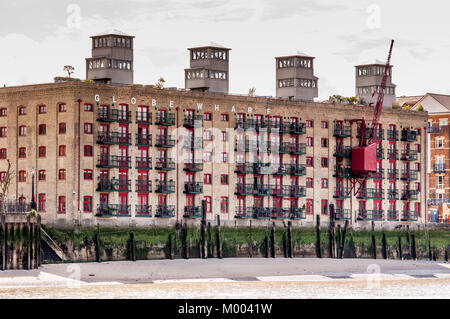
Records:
x=134, y=155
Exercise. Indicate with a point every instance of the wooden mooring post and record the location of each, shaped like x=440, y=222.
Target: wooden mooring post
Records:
x=318, y=249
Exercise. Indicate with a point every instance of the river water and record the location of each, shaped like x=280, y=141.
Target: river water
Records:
x=342, y=289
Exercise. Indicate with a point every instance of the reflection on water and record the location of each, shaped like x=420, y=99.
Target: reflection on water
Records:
x=419, y=288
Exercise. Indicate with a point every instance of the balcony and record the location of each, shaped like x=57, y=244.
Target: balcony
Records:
x=293, y=191
x=291, y=148
x=143, y=139
x=293, y=128
x=165, y=119
x=165, y=187
x=192, y=212
x=264, y=168
x=113, y=161
x=193, y=188
x=392, y=135
x=165, y=164
x=262, y=213
x=144, y=163
x=164, y=211
x=434, y=129
x=343, y=151
x=409, y=136
x=380, y=153
x=109, y=138
x=143, y=117
x=367, y=214
x=258, y=147
x=410, y=215
x=409, y=175
x=370, y=193
x=392, y=215
x=143, y=211
x=193, y=143
x=263, y=190
x=193, y=167
x=379, y=133
x=297, y=213
x=243, y=212
x=296, y=169
x=280, y=213
x=244, y=168
x=439, y=168
x=410, y=195
x=166, y=141
x=342, y=193
x=342, y=131
x=113, y=210
x=392, y=173
x=245, y=189
x=392, y=194
x=409, y=156
x=379, y=174
x=343, y=214
x=392, y=154
x=343, y=172
x=113, y=185
x=143, y=186
x=113, y=115
x=193, y=121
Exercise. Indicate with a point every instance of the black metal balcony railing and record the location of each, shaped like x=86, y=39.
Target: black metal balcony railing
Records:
x=163, y=211
x=409, y=156
x=410, y=195
x=165, y=141
x=113, y=115
x=343, y=214
x=379, y=133
x=296, y=169
x=143, y=186
x=434, y=129
x=193, y=121
x=268, y=213
x=294, y=128
x=343, y=151
x=380, y=153
x=143, y=117
x=192, y=212
x=143, y=139
x=392, y=154
x=245, y=189
x=297, y=213
x=114, y=185
x=294, y=191
x=143, y=210
x=143, y=163
x=379, y=174
x=439, y=168
x=342, y=192
x=392, y=194
x=116, y=210
x=262, y=213
x=369, y=214
x=164, y=187
x=193, y=143
x=392, y=215
x=165, y=164
x=114, y=138
x=264, y=168
x=291, y=148
x=193, y=167
x=392, y=173
x=409, y=175
x=370, y=193
x=193, y=188
x=242, y=146
x=343, y=172
x=113, y=161
x=342, y=131
x=263, y=189
x=244, y=168
x=409, y=136
x=166, y=119
x=273, y=126
x=280, y=213
x=410, y=215
x=392, y=135
x=259, y=147
x=243, y=212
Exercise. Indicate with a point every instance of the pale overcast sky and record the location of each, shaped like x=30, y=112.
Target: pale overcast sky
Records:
x=39, y=37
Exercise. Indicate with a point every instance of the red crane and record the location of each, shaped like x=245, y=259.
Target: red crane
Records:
x=364, y=156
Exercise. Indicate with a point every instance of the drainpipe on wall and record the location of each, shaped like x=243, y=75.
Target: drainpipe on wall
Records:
x=79, y=154
x=178, y=164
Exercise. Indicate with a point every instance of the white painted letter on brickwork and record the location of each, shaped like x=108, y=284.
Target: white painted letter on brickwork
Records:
x=268, y=111
x=171, y=104
x=114, y=99
x=97, y=98
x=250, y=110
x=153, y=102
x=199, y=106
x=216, y=107
x=233, y=109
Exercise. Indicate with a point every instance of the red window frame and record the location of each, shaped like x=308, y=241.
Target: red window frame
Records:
x=3, y=153
x=22, y=110
x=207, y=179
x=23, y=130
x=42, y=151
x=41, y=202
x=324, y=124
x=324, y=207
x=42, y=109
x=325, y=183
x=324, y=142
x=62, y=128
x=62, y=150
x=309, y=161
x=88, y=107
x=309, y=141
x=309, y=182
x=88, y=151
x=22, y=152
x=224, y=179
x=309, y=123
x=22, y=176
x=62, y=174
x=3, y=111
x=224, y=205
x=309, y=206
x=88, y=174
x=41, y=175
x=62, y=107
x=2, y=176
x=207, y=116
x=42, y=129
x=3, y=131
x=224, y=117
x=87, y=204
x=208, y=204
x=324, y=162
x=61, y=204
x=88, y=128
